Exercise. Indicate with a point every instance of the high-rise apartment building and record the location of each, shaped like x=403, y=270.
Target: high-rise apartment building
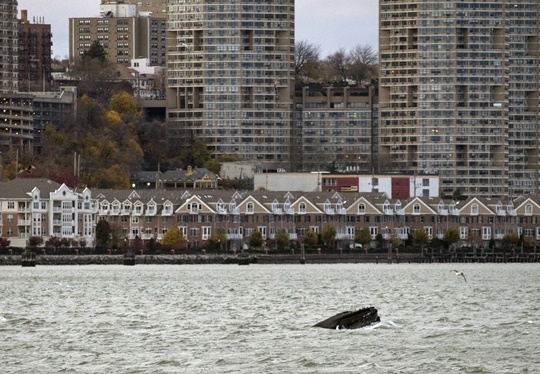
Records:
x=458, y=93
x=123, y=31
x=8, y=46
x=230, y=69
x=16, y=114
x=35, y=47
x=333, y=128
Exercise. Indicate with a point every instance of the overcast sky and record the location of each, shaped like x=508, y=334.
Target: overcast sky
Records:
x=331, y=24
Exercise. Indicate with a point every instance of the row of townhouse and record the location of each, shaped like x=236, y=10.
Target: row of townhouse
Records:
x=35, y=207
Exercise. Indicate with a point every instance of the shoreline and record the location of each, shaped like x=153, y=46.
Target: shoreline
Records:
x=206, y=259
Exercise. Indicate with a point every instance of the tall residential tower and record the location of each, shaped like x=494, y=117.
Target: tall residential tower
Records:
x=230, y=68
x=459, y=84
x=8, y=46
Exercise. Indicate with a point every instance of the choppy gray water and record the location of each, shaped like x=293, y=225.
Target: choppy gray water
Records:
x=258, y=318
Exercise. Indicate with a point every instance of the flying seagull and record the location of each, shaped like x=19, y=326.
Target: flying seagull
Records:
x=458, y=273
x=27, y=169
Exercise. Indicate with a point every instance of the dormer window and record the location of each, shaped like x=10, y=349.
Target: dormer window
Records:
x=249, y=208
x=361, y=209
x=474, y=209
x=416, y=209
x=302, y=208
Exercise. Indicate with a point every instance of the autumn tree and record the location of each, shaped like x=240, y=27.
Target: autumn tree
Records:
x=421, y=238
x=220, y=238
x=310, y=238
x=107, y=147
x=4, y=242
x=173, y=237
x=363, y=236
x=282, y=239
x=256, y=239
x=451, y=236
x=328, y=235
x=510, y=239
x=35, y=241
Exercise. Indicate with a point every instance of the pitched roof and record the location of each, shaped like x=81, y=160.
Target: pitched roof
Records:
x=19, y=188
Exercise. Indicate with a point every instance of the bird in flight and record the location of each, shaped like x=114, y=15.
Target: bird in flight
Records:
x=27, y=169
x=458, y=273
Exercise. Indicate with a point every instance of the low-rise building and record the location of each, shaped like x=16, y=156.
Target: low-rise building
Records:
x=35, y=207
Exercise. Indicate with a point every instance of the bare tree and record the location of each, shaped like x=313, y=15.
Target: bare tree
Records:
x=306, y=58
x=338, y=64
x=363, y=63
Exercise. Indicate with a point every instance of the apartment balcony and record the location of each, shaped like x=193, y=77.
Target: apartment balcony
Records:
x=126, y=212
x=341, y=211
x=443, y=212
x=289, y=211
x=329, y=211
x=501, y=212
x=150, y=212
x=400, y=212
x=235, y=211
x=137, y=212
x=512, y=212
x=23, y=222
x=498, y=236
x=277, y=211
x=454, y=212
x=388, y=212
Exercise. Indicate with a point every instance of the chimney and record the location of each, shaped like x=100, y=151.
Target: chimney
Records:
x=24, y=15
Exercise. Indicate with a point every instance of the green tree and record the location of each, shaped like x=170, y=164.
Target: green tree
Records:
x=256, y=239
x=95, y=52
x=195, y=153
x=328, y=235
x=310, y=238
x=451, y=236
x=103, y=233
x=173, y=237
x=363, y=236
x=282, y=239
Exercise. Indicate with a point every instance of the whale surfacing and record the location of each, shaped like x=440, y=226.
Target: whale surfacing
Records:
x=351, y=320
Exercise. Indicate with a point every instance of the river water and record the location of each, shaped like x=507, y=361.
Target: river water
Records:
x=258, y=318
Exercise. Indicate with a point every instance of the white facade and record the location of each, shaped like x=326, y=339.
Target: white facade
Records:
x=118, y=10
x=306, y=182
